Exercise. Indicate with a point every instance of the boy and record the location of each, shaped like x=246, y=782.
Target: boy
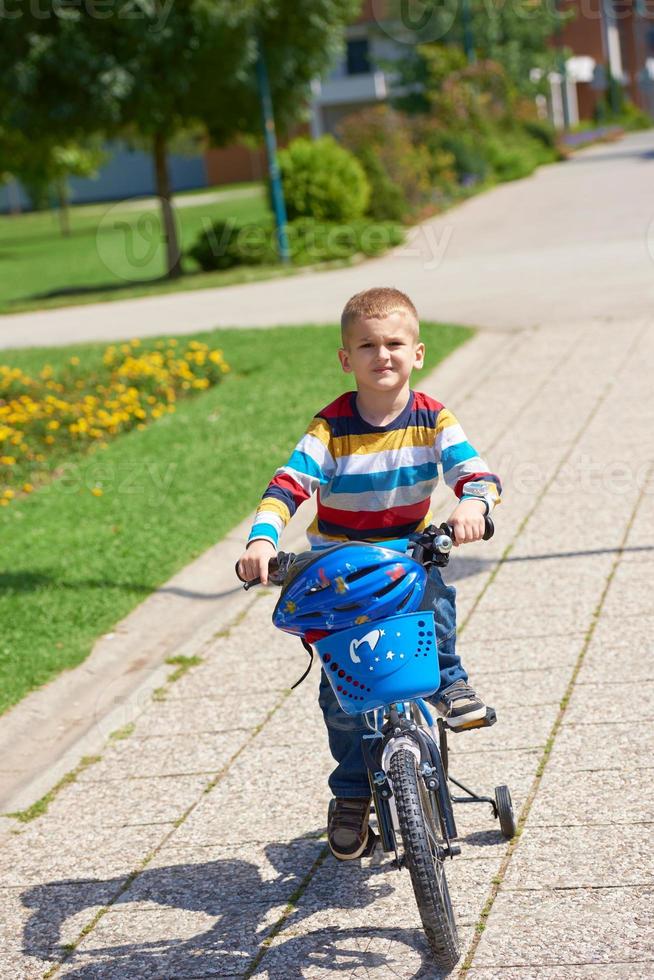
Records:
x=372, y=457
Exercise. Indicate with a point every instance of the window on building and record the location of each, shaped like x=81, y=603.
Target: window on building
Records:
x=358, y=56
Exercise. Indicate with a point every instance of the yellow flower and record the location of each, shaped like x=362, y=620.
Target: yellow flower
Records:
x=97, y=491
x=3, y=502
x=8, y=460
x=27, y=487
x=74, y=361
x=49, y=440
x=9, y=495
x=53, y=424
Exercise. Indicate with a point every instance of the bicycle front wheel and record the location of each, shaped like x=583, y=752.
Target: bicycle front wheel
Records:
x=421, y=840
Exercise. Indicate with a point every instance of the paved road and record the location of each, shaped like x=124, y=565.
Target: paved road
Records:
x=574, y=242
x=193, y=848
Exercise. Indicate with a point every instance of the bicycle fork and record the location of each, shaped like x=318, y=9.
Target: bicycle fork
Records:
x=378, y=749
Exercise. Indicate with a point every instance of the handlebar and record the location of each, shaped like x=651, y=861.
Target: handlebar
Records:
x=430, y=547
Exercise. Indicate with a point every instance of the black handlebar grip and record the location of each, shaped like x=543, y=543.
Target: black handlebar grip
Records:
x=489, y=529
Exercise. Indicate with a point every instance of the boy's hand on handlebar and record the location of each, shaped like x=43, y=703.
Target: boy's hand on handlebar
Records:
x=467, y=521
x=254, y=563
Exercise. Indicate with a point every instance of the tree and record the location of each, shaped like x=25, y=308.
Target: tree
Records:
x=513, y=34
x=44, y=166
x=165, y=68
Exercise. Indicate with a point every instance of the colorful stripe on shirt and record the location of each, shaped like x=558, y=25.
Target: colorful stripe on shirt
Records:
x=373, y=482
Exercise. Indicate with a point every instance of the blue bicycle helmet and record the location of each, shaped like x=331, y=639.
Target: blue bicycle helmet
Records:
x=346, y=585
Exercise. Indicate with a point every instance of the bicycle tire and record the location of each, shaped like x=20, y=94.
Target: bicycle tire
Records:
x=420, y=835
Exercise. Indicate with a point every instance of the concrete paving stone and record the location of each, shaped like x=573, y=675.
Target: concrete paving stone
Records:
x=150, y=942
x=221, y=879
x=553, y=650
x=613, y=796
x=481, y=772
x=578, y=857
x=641, y=556
x=217, y=713
x=592, y=703
x=536, y=625
x=382, y=939
x=546, y=928
x=600, y=746
x=569, y=971
x=37, y=922
x=268, y=794
x=528, y=624
x=367, y=883
x=511, y=691
x=167, y=755
x=528, y=728
x=50, y=853
x=278, y=810
x=621, y=653
x=128, y=802
x=546, y=580
x=275, y=676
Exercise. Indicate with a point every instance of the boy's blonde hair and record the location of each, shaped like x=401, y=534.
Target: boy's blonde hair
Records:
x=377, y=303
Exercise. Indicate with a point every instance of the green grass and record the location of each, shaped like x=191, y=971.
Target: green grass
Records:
x=114, y=251
x=72, y=564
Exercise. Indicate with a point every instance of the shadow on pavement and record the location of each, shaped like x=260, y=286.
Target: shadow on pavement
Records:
x=159, y=925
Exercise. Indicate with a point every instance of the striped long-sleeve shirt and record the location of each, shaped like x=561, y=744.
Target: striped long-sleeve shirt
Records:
x=373, y=482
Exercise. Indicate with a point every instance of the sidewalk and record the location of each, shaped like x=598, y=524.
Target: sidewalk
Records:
x=573, y=243
x=194, y=847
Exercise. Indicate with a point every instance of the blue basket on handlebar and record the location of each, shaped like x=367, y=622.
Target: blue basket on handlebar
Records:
x=396, y=660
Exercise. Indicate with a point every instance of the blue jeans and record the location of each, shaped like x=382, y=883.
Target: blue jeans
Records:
x=350, y=778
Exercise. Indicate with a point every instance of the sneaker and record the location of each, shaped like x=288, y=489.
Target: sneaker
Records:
x=347, y=828
x=458, y=705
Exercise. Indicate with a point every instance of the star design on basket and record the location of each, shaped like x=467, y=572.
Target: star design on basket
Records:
x=390, y=655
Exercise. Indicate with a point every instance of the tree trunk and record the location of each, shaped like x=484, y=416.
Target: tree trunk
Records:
x=13, y=193
x=64, y=211
x=173, y=256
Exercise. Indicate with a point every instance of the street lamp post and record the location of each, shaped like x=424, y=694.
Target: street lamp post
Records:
x=468, y=41
x=563, y=71
x=270, y=136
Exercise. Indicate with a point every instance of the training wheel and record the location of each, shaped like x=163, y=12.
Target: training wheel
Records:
x=505, y=811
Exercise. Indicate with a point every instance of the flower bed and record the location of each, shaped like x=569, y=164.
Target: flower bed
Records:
x=53, y=416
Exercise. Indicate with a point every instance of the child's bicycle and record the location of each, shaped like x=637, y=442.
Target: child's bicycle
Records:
x=383, y=668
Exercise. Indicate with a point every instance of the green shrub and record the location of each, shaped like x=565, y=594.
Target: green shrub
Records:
x=225, y=245
x=511, y=159
x=322, y=180
x=397, y=164
x=543, y=131
x=387, y=199
x=470, y=157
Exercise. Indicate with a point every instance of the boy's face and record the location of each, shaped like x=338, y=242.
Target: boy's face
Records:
x=381, y=354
